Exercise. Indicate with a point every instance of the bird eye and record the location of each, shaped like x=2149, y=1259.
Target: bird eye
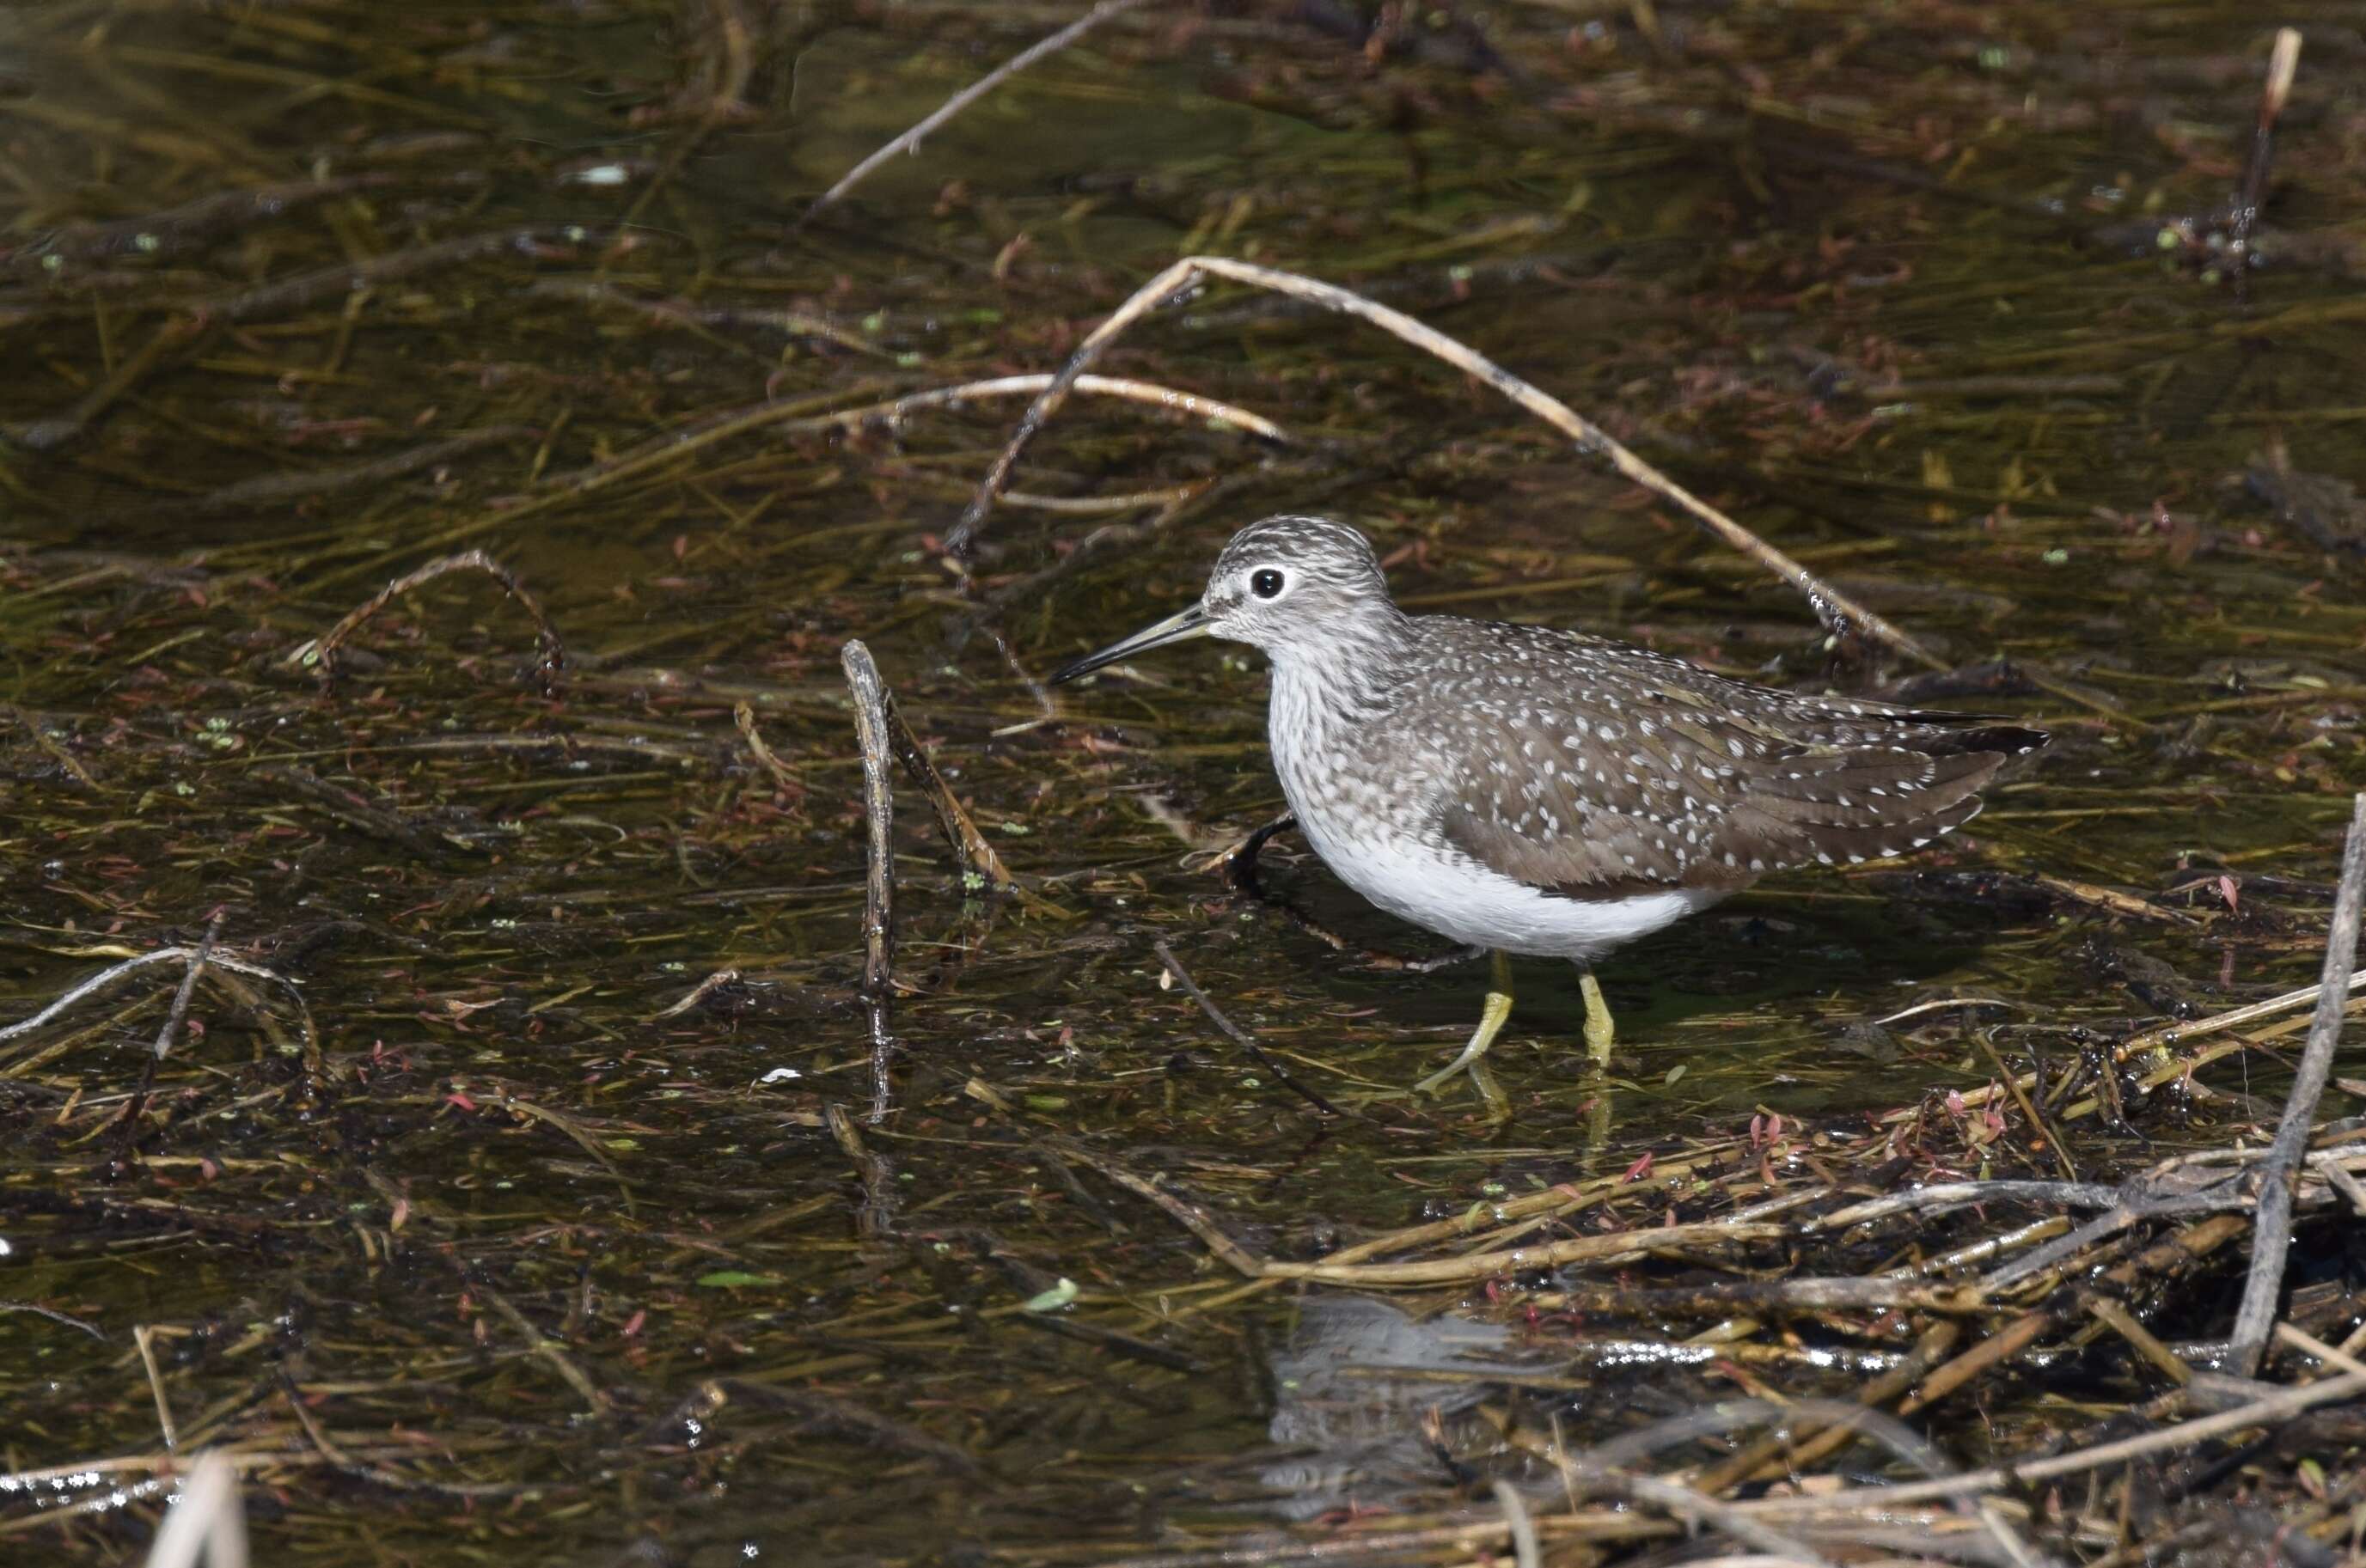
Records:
x=1266, y=583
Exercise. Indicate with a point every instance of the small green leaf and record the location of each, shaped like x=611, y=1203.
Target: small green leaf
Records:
x=727, y=1279
x=1053, y=1300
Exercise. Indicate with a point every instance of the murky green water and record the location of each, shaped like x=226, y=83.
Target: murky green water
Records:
x=1866, y=276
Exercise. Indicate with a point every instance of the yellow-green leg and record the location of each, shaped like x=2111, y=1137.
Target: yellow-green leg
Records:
x=1491, y=1023
x=1598, y=1032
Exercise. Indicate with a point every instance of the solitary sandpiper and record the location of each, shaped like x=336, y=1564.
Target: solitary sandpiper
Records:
x=1548, y=793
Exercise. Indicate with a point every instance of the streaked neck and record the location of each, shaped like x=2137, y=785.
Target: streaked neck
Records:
x=1349, y=672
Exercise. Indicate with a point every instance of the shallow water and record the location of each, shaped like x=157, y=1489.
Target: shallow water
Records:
x=1888, y=288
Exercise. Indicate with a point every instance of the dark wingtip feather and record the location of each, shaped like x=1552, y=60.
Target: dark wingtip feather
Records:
x=2004, y=740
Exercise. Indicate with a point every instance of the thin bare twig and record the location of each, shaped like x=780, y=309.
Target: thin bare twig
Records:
x=910, y=140
x=2282, y=1405
x=745, y=716
x=1523, y=1528
x=879, y=885
x=2272, y=1235
x=206, y=1523
x=108, y=977
x=799, y=417
x=875, y=1221
x=321, y=651
x=1190, y=1215
x=703, y=989
x=144, y=1337
x=976, y=855
x=2283, y=63
x=54, y=1315
x=1239, y=1035
x=1837, y=611
x=197, y=961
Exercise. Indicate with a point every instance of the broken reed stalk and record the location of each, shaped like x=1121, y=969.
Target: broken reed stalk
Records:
x=2271, y=1237
x=910, y=140
x=879, y=886
x=2283, y=62
x=971, y=853
x=1192, y=1216
x=322, y=650
x=806, y=416
x=875, y=1220
x=180, y=1010
x=1239, y=1035
x=969, y=845
x=2161, y=1038
x=2280, y=1406
x=108, y=977
x=136, y=1105
x=206, y=1523
x=1834, y=608
x=798, y=418
x=745, y=717
x=1799, y=1443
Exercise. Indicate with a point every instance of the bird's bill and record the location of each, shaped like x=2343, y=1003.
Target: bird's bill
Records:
x=1179, y=627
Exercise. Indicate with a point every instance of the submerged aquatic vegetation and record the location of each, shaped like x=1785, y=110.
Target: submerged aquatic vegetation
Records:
x=538, y=1165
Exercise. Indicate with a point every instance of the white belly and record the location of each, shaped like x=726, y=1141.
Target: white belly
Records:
x=1462, y=900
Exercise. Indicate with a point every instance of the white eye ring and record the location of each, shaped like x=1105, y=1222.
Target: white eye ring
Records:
x=1268, y=582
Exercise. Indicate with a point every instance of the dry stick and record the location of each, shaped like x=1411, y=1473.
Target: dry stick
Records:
x=879, y=884
x=322, y=650
x=108, y=977
x=1239, y=1035
x=910, y=140
x=2283, y=62
x=542, y=1345
x=976, y=854
x=745, y=716
x=1725, y=1297
x=1622, y=1452
x=1192, y=1217
x=1806, y=1443
x=2194, y=1242
x=2167, y=1034
x=2271, y=1237
x=796, y=417
x=2279, y=1407
x=65, y=1319
x=800, y=416
x=1549, y=1255
x=1957, y=1194
x=1523, y=1528
x=206, y=1523
x=875, y=1220
x=1835, y=608
x=2120, y=1321
x=143, y=1336
x=197, y=961
x=136, y=1104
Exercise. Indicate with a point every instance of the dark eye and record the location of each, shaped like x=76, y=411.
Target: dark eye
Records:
x=1265, y=584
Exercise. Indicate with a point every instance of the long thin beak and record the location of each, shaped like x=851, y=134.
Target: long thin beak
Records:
x=1179, y=627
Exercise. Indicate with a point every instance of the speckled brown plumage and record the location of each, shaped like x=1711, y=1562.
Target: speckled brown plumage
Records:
x=1542, y=791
